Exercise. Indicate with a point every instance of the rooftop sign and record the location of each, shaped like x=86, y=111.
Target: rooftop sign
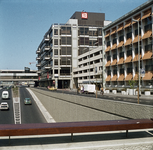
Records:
x=84, y=15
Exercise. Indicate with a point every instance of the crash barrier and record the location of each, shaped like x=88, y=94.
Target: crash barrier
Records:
x=74, y=127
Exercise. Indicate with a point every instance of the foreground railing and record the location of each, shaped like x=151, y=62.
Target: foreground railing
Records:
x=74, y=127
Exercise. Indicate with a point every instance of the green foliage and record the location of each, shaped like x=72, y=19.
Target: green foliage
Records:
x=132, y=83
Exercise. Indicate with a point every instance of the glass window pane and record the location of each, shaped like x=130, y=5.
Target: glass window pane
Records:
x=55, y=31
x=69, y=41
x=69, y=51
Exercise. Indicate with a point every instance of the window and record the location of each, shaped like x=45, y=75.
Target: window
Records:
x=121, y=54
x=69, y=51
x=68, y=40
x=114, y=72
x=56, y=71
x=86, y=31
x=114, y=56
x=148, y=27
x=63, y=30
x=129, y=70
x=81, y=41
x=114, y=41
x=121, y=38
x=55, y=41
x=56, y=62
x=136, y=31
x=122, y=71
x=108, y=58
x=81, y=31
x=86, y=41
x=129, y=52
x=109, y=72
x=63, y=40
x=129, y=35
x=55, y=31
x=148, y=47
x=99, y=41
x=55, y=51
x=99, y=32
x=63, y=51
x=108, y=43
x=63, y=61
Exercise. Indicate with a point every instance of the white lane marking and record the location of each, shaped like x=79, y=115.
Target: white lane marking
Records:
x=16, y=110
x=43, y=110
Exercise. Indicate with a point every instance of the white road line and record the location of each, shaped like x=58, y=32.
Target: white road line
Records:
x=43, y=110
x=16, y=110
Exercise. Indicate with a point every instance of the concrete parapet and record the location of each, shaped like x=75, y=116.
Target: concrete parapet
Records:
x=66, y=107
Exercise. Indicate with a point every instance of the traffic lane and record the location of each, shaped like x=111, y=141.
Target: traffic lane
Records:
x=29, y=113
x=7, y=116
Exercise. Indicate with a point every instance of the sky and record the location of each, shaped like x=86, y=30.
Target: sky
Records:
x=23, y=24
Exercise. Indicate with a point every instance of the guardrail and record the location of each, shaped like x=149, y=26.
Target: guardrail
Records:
x=74, y=127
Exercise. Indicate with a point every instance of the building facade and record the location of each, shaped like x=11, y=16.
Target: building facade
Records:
x=121, y=48
x=64, y=44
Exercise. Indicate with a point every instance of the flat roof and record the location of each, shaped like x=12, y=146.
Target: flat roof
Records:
x=148, y=3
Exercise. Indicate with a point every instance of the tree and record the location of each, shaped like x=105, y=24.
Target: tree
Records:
x=132, y=83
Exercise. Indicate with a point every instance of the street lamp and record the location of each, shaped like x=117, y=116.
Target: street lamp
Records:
x=70, y=73
x=138, y=59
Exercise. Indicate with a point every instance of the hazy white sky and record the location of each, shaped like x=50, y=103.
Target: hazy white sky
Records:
x=23, y=24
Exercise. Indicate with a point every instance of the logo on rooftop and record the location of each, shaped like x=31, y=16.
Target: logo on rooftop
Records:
x=84, y=15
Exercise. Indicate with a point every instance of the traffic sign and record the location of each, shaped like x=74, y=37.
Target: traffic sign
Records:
x=142, y=72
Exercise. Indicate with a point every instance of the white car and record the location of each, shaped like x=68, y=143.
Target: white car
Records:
x=4, y=106
x=5, y=95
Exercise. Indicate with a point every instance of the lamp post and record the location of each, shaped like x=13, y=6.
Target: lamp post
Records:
x=70, y=73
x=138, y=60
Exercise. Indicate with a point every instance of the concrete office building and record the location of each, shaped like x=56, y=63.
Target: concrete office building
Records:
x=64, y=44
x=121, y=48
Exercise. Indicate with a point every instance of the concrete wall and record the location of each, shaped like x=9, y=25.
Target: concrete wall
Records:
x=66, y=108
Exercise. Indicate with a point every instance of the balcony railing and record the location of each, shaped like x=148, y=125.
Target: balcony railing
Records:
x=47, y=57
x=47, y=48
x=48, y=66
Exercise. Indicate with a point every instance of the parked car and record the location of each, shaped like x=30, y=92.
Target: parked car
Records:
x=27, y=101
x=4, y=106
x=5, y=95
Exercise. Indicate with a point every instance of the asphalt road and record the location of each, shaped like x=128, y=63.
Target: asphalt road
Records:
x=29, y=113
x=7, y=116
